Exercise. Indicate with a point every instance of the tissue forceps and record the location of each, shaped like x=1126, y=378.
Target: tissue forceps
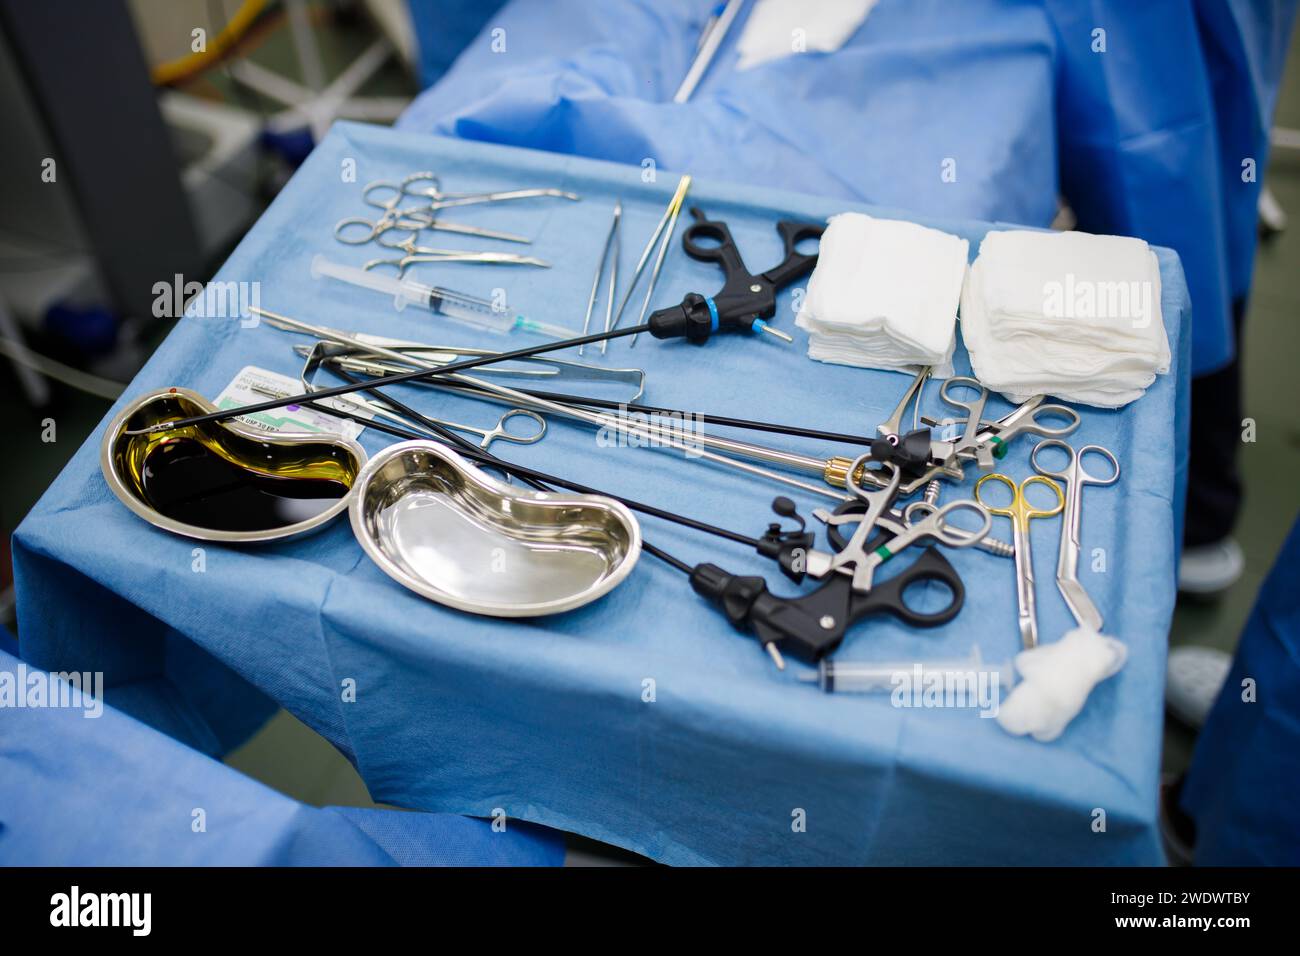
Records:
x=608, y=256
x=1074, y=476
x=1021, y=512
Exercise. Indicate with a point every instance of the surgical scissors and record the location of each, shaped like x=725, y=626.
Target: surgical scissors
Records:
x=1074, y=475
x=1021, y=512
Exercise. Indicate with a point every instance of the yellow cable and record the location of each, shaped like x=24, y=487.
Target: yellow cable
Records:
x=166, y=73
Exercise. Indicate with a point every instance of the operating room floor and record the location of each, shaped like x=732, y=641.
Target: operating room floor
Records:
x=293, y=759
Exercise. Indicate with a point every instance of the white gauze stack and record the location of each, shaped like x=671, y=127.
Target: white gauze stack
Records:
x=884, y=294
x=1069, y=314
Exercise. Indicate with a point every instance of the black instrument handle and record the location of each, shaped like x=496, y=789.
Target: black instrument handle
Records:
x=709, y=240
x=796, y=264
x=887, y=596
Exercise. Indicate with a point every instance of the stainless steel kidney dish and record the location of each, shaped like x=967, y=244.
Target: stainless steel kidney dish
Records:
x=448, y=531
x=224, y=481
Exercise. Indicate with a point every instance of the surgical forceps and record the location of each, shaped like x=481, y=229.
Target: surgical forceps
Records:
x=416, y=254
x=1023, y=420
x=893, y=425
x=896, y=522
x=919, y=521
x=1021, y=512
x=969, y=444
x=424, y=216
x=1074, y=476
x=434, y=197
x=608, y=256
x=877, y=502
x=946, y=461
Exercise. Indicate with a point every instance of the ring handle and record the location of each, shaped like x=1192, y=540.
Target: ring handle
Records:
x=346, y=233
x=957, y=537
x=1029, y=510
x=720, y=246
x=930, y=566
x=502, y=433
x=962, y=381
x=1088, y=478
x=1000, y=479
x=796, y=264
x=382, y=186
x=1052, y=431
x=1060, y=474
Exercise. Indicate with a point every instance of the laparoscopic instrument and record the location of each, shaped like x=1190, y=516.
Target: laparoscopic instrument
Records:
x=367, y=356
x=346, y=351
x=538, y=368
x=468, y=309
x=1021, y=511
x=925, y=457
x=745, y=300
x=501, y=431
x=808, y=626
x=1074, y=475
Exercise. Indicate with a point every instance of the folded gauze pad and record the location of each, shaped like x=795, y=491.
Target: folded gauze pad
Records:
x=1068, y=314
x=884, y=294
x=1056, y=680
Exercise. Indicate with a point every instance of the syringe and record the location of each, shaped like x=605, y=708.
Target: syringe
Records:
x=866, y=677
x=480, y=313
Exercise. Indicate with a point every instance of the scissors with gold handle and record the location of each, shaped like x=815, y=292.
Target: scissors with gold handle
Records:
x=1021, y=512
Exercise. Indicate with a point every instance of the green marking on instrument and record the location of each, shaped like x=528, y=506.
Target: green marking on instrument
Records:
x=884, y=553
x=999, y=447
